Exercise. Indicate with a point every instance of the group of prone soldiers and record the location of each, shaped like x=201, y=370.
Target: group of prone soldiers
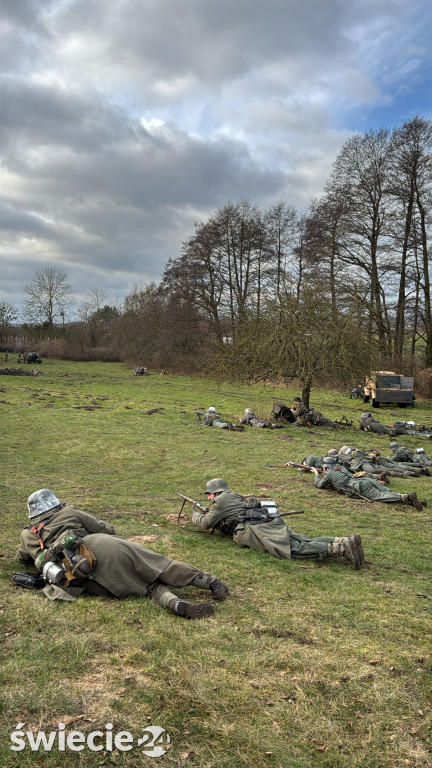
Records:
x=121, y=568
x=364, y=474
x=298, y=415
x=368, y=423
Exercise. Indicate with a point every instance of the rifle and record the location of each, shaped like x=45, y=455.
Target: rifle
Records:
x=191, y=501
x=285, y=514
x=303, y=467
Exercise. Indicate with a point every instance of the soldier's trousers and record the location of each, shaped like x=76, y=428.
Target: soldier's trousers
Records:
x=304, y=548
x=176, y=574
x=373, y=490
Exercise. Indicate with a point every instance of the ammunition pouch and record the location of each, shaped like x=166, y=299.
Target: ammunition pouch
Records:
x=248, y=517
x=228, y=527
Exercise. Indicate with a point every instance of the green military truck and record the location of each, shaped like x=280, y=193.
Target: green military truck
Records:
x=389, y=388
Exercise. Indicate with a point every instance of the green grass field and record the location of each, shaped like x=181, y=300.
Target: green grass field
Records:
x=305, y=664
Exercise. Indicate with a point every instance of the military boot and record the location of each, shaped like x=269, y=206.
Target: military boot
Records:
x=356, y=543
x=411, y=498
x=205, y=580
x=218, y=589
x=190, y=610
x=345, y=547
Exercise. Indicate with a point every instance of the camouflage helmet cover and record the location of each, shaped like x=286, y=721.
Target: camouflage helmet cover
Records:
x=41, y=501
x=216, y=485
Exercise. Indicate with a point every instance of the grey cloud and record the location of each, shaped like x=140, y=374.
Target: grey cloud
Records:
x=226, y=38
x=252, y=96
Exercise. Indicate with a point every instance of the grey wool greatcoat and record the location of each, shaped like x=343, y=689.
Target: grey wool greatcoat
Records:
x=339, y=478
x=274, y=537
x=123, y=567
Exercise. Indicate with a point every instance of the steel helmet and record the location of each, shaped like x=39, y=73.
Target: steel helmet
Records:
x=42, y=501
x=216, y=485
x=411, y=423
x=329, y=461
x=212, y=409
x=345, y=450
x=249, y=410
x=333, y=452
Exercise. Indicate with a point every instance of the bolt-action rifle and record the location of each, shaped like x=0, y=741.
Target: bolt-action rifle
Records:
x=264, y=518
x=303, y=467
x=191, y=501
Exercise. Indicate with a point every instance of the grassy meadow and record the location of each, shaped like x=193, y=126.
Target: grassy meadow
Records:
x=305, y=665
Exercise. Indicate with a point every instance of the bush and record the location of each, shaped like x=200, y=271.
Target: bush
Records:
x=423, y=383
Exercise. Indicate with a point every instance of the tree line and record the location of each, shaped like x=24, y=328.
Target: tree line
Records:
x=277, y=292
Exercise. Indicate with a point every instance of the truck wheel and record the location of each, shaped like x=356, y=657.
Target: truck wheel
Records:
x=354, y=395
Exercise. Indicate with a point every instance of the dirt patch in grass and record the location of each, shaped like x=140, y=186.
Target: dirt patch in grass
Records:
x=143, y=539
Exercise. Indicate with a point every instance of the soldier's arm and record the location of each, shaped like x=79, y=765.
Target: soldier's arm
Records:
x=208, y=520
x=94, y=525
x=321, y=481
x=23, y=553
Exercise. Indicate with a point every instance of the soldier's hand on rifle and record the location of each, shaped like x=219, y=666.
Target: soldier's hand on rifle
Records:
x=288, y=464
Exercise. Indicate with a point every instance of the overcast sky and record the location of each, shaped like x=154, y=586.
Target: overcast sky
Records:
x=126, y=121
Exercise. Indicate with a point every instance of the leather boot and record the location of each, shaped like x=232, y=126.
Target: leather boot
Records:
x=346, y=547
x=414, y=501
x=205, y=580
x=356, y=543
x=350, y=552
x=190, y=610
x=218, y=589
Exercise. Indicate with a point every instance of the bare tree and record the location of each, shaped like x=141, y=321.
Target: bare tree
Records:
x=47, y=296
x=411, y=188
x=361, y=172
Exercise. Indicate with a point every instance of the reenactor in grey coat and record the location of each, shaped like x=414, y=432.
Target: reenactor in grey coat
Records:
x=123, y=568
x=413, y=458
x=373, y=463
x=338, y=478
x=252, y=420
x=232, y=514
x=213, y=419
x=368, y=423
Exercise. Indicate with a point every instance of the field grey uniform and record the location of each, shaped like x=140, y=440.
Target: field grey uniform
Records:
x=123, y=567
x=274, y=537
x=321, y=421
x=252, y=420
x=407, y=456
x=369, y=424
x=339, y=478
